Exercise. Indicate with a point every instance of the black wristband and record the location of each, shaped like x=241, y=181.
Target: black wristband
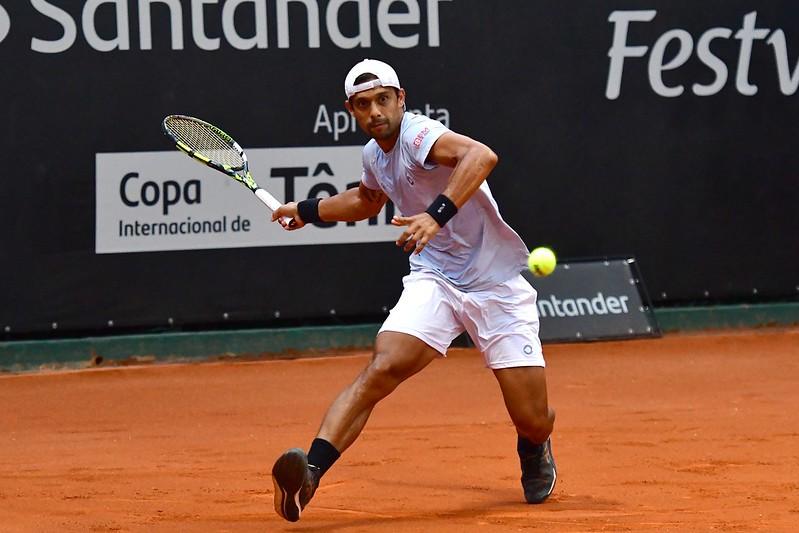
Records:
x=309, y=210
x=442, y=209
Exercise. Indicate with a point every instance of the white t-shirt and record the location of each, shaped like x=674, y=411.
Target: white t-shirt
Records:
x=476, y=249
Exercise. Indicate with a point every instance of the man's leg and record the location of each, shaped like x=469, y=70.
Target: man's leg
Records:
x=503, y=322
x=397, y=357
x=524, y=390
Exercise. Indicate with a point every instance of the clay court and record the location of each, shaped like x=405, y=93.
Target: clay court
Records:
x=683, y=433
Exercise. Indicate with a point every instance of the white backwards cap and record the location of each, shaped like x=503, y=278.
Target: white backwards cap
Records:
x=386, y=77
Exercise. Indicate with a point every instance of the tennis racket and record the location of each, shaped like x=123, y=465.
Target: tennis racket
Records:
x=213, y=147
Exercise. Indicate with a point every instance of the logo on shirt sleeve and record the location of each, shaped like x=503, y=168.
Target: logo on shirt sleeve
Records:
x=417, y=141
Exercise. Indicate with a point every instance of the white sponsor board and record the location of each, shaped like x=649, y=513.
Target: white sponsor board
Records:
x=156, y=201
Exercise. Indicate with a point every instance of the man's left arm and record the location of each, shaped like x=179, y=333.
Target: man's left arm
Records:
x=471, y=162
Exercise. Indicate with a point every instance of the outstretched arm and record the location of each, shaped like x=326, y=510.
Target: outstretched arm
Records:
x=471, y=161
x=351, y=205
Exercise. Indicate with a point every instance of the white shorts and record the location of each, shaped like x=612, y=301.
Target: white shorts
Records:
x=502, y=321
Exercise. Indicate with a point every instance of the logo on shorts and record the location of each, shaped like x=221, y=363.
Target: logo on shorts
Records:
x=417, y=141
x=5, y=23
x=528, y=349
x=409, y=178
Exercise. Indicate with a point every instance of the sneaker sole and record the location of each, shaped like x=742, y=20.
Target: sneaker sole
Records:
x=288, y=475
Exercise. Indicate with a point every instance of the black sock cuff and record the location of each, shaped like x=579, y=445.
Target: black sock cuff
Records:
x=527, y=446
x=322, y=455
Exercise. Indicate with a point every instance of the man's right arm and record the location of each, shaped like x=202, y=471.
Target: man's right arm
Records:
x=354, y=204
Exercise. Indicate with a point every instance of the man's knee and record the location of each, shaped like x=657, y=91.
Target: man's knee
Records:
x=382, y=376
x=537, y=426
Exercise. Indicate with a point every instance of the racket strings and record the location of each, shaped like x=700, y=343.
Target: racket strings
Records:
x=205, y=140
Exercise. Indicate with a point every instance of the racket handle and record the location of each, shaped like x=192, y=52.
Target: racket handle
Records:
x=270, y=201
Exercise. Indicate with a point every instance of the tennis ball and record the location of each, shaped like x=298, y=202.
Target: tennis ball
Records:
x=542, y=261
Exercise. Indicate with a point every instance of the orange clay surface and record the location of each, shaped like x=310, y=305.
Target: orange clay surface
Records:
x=683, y=433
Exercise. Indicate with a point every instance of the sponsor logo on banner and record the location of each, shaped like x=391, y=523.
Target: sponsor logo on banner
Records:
x=109, y=25
x=336, y=123
x=682, y=45
x=593, y=300
x=157, y=201
x=5, y=23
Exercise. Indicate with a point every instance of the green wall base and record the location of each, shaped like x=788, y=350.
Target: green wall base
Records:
x=727, y=316
x=19, y=356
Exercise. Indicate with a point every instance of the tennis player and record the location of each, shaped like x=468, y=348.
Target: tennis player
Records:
x=465, y=266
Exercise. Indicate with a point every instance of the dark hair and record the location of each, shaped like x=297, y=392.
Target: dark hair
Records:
x=363, y=78
x=368, y=76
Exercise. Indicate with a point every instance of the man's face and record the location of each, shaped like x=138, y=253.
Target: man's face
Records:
x=378, y=111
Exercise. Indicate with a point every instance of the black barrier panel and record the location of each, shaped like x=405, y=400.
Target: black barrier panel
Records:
x=662, y=130
x=593, y=300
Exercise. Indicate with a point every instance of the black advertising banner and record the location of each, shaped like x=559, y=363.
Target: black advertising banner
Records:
x=593, y=300
x=661, y=130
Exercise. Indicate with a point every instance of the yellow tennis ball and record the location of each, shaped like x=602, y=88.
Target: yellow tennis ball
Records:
x=542, y=261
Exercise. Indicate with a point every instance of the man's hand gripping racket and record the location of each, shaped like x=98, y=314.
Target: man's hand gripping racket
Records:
x=213, y=147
